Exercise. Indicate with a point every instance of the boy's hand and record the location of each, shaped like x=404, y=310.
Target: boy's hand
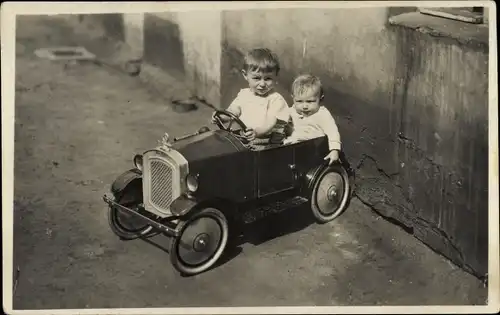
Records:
x=332, y=156
x=289, y=140
x=249, y=134
x=212, y=119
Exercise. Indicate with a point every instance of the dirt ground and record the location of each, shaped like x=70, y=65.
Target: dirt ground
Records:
x=77, y=127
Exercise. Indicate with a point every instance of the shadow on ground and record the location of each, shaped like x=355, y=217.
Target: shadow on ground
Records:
x=262, y=230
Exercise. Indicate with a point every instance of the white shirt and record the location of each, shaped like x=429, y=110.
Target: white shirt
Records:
x=316, y=125
x=256, y=110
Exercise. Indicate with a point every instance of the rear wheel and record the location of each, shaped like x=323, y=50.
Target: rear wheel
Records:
x=125, y=225
x=201, y=241
x=330, y=194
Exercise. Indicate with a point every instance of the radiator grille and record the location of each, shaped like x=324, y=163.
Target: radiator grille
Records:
x=161, y=184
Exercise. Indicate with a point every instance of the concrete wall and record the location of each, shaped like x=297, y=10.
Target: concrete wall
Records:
x=410, y=102
x=412, y=109
x=184, y=44
x=187, y=43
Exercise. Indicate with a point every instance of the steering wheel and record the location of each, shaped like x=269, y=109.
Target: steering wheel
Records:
x=232, y=118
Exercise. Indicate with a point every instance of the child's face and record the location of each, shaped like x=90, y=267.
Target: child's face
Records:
x=260, y=82
x=308, y=102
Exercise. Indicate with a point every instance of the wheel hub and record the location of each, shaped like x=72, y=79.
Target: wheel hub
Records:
x=332, y=193
x=329, y=193
x=201, y=242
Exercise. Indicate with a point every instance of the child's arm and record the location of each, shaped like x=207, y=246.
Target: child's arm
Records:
x=233, y=108
x=266, y=127
x=278, y=110
x=331, y=130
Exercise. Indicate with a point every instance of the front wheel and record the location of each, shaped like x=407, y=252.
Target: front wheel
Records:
x=201, y=242
x=125, y=225
x=330, y=194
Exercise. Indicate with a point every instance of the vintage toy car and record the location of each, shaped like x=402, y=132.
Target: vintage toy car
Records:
x=195, y=189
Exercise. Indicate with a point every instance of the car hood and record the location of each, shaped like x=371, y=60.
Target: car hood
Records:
x=208, y=145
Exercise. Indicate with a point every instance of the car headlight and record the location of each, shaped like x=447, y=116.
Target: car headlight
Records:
x=192, y=182
x=138, y=161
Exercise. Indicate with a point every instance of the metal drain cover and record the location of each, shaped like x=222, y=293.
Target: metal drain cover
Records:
x=65, y=53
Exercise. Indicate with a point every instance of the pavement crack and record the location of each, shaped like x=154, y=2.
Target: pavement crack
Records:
x=374, y=160
x=425, y=224
x=408, y=207
x=372, y=206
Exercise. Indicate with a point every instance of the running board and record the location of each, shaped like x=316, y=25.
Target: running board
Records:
x=276, y=207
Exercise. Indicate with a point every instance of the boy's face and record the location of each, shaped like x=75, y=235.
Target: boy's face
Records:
x=260, y=82
x=307, y=102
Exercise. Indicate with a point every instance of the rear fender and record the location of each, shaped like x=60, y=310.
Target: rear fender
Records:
x=128, y=182
x=309, y=179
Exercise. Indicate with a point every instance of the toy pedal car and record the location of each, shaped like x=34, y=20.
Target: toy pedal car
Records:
x=196, y=188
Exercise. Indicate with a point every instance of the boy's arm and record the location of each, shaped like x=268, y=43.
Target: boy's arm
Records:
x=329, y=127
x=234, y=108
x=278, y=109
x=266, y=127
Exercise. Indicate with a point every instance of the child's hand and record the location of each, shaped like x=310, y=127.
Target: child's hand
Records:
x=289, y=140
x=212, y=119
x=249, y=134
x=332, y=156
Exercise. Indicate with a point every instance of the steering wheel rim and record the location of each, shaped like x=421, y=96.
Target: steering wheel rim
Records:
x=233, y=118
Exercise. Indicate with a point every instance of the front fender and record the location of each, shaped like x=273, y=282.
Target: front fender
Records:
x=123, y=181
x=182, y=205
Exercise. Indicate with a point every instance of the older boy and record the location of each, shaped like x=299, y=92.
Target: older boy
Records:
x=259, y=107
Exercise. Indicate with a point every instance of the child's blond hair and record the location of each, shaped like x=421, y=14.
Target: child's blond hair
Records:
x=261, y=59
x=307, y=82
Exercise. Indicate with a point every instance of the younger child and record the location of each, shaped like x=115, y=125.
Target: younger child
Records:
x=259, y=107
x=310, y=119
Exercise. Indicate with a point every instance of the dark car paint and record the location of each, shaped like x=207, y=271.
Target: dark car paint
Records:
x=208, y=144
x=229, y=171
x=226, y=169
x=222, y=164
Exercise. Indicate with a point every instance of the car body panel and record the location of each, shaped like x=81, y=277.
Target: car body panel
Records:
x=274, y=170
x=227, y=169
x=222, y=164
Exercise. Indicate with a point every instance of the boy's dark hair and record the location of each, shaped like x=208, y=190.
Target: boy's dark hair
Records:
x=261, y=59
x=306, y=82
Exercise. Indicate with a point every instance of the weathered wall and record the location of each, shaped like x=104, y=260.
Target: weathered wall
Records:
x=442, y=96
x=187, y=42
x=411, y=107
x=184, y=44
